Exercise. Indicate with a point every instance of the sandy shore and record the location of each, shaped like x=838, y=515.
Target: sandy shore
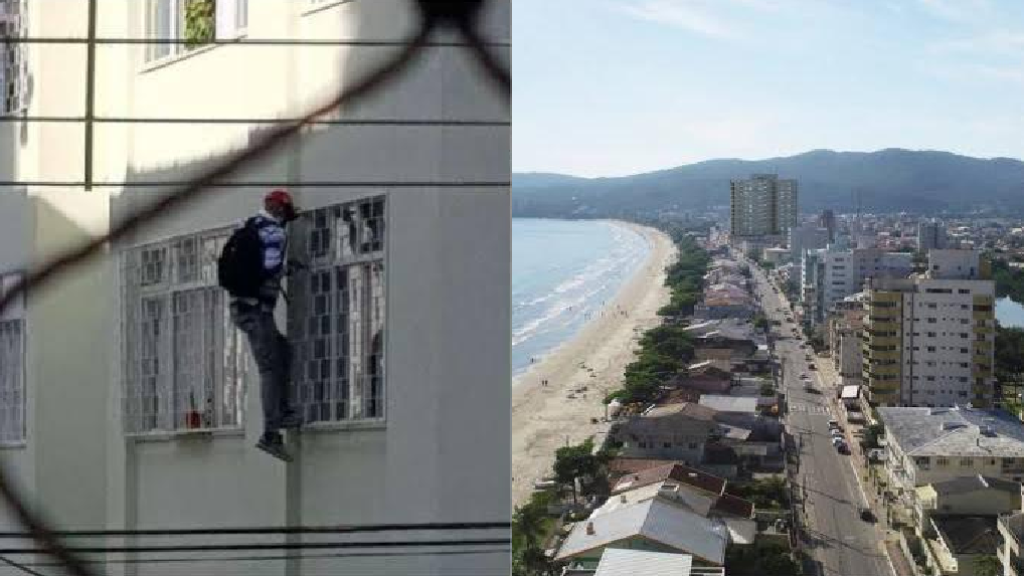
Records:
x=542, y=416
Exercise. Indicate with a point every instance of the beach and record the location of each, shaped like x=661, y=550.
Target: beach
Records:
x=543, y=417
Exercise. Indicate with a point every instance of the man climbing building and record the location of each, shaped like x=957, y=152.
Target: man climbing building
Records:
x=251, y=268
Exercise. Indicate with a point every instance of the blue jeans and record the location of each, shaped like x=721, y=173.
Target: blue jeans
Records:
x=272, y=353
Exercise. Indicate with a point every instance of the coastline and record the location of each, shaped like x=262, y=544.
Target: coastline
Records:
x=542, y=416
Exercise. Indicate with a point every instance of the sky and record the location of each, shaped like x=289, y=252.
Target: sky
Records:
x=616, y=87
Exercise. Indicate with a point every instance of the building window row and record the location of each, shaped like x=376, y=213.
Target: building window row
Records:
x=13, y=68
x=12, y=367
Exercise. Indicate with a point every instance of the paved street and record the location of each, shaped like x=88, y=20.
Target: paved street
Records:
x=840, y=541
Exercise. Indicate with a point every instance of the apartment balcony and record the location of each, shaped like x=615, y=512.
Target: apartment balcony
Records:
x=879, y=298
x=885, y=355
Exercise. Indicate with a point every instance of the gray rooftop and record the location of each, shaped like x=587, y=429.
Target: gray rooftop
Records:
x=721, y=403
x=653, y=520
x=957, y=431
x=618, y=562
x=965, y=484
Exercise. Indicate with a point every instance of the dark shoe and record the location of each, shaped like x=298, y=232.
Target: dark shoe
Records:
x=273, y=445
x=291, y=421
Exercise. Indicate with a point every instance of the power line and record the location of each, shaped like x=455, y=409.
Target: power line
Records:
x=260, y=184
x=271, y=530
x=327, y=122
x=23, y=567
x=503, y=550
x=246, y=42
x=262, y=546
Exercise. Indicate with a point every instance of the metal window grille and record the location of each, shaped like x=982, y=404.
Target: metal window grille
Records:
x=183, y=359
x=336, y=317
x=12, y=366
x=13, y=66
x=12, y=385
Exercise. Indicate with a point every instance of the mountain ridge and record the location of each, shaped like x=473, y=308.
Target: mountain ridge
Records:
x=892, y=179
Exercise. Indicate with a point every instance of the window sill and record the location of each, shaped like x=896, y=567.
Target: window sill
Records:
x=185, y=435
x=315, y=7
x=14, y=445
x=327, y=427
x=165, y=61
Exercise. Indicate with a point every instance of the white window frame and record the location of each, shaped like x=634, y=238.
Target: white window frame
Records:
x=13, y=62
x=180, y=351
x=12, y=366
x=338, y=334
x=231, y=20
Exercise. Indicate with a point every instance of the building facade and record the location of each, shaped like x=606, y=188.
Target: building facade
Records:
x=833, y=273
x=928, y=339
x=806, y=237
x=931, y=235
x=153, y=423
x=763, y=205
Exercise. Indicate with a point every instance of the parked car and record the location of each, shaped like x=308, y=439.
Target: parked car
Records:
x=837, y=433
x=867, y=515
x=810, y=388
x=833, y=424
x=812, y=367
x=804, y=376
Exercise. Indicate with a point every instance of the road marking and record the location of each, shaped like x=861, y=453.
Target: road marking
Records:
x=807, y=408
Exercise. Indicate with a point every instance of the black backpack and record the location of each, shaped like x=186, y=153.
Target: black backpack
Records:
x=240, y=266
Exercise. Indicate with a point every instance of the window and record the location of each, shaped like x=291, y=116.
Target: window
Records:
x=931, y=320
x=12, y=367
x=693, y=445
x=965, y=461
x=337, y=315
x=942, y=461
x=666, y=444
x=197, y=22
x=931, y=334
x=931, y=348
x=13, y=66
x=183, y=361
x=964, y=291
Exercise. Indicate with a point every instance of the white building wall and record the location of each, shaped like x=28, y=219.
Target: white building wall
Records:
x=446, y=264
x=938, y=340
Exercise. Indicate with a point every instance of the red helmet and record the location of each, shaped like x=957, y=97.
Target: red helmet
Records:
x=280, y=198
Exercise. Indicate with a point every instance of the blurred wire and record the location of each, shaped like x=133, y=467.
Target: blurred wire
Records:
x=426, y=527
x=389, y=554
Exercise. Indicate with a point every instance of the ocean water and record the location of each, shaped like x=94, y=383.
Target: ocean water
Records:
x=563, y=272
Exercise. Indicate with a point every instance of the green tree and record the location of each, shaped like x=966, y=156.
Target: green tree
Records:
x=572, y=462
x=988, y=565
x=199, y=22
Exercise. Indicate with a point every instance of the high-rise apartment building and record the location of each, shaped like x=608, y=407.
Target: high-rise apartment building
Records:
x=831, y=274
x=931, y=235
x=806, y=236
x=763, y=205
x=928, y=339
x=827, y=220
